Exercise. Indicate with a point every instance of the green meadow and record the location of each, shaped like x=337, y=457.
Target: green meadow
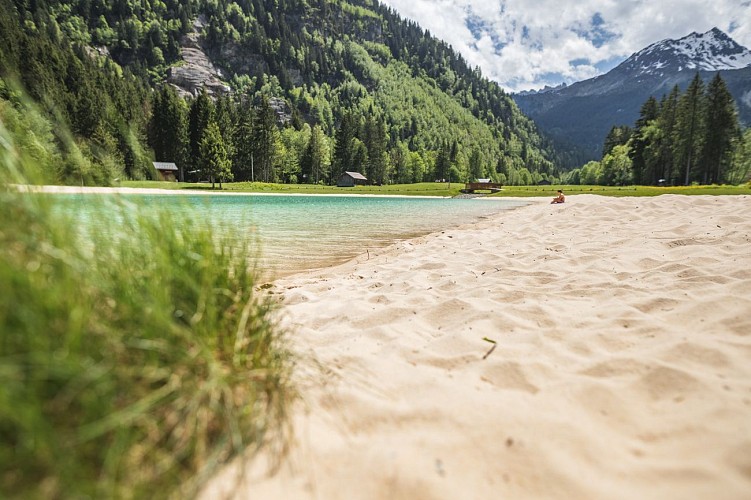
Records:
x=446, y=189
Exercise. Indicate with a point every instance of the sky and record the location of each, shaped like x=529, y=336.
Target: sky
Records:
x=528, y=44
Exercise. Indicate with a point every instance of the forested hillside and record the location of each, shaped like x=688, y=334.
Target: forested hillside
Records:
x=310, y=88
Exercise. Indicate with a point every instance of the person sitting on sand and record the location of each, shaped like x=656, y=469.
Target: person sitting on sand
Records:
x=559, y=199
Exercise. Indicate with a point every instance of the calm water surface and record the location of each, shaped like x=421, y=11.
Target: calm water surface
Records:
x=298, y=233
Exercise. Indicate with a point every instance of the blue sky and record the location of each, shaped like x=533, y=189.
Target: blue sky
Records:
x=527, y=44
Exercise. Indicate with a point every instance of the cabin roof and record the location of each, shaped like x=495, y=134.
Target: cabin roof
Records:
x=164, y=165
x=356, y=175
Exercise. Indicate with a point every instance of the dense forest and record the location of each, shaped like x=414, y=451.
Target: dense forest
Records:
x=311, y=88
x=685, y=138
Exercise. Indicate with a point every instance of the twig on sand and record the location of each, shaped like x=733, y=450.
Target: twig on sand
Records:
x=491, y=349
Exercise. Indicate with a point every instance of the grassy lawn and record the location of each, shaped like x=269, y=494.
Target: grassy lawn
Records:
x=420, y=189
x=443, y=189
x=623, y=190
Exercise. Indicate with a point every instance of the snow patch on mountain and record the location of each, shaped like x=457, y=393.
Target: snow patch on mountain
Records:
x=710, y=51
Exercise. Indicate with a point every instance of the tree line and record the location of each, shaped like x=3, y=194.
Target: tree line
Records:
x=240, y=138
x=684, y=138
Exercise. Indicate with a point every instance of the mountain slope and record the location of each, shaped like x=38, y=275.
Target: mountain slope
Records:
x=582, y=113
x=315, y=61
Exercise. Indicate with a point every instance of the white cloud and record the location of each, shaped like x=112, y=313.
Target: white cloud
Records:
x=525, y=44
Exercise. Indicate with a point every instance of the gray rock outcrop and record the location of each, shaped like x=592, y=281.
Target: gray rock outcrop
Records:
x=196, y=71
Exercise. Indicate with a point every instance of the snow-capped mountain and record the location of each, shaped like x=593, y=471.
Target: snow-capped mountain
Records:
x=710, y=51
x=582, y=113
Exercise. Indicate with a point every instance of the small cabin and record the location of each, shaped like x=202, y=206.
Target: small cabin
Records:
x=481, y=185
x=352, y=179
x=544, y=182
x=166, y=170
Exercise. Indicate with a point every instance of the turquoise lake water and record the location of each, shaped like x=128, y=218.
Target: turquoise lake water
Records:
x=298, y=233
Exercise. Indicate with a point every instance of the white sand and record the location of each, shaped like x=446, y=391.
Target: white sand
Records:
x=622, y=367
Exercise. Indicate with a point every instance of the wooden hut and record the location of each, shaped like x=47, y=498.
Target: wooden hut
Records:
x=166, y=170
x=481, y=185
x=352, y=179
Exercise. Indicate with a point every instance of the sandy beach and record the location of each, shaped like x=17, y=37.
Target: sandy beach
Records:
x=621, y=367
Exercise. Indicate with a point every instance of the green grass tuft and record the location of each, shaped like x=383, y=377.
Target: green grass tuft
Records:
x=132, y=362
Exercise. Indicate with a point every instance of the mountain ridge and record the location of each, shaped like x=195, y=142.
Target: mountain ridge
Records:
x=710, y=51
x=580, y=115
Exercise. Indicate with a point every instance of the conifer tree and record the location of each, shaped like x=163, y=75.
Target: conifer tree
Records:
x=741, y=169
x=214, y=159
x=243, y=165
x=375, y=142
x=475, y=165
x=264, y=142
x=359, y=156
x=168, y=128
x=721, y=130
x=225, y=116
x=313, y=163
x=443, y=163
x=665, y=154
x=690, y=127
x=399, y=162
x=647, y=114
x=201, y=114
x=343, y=149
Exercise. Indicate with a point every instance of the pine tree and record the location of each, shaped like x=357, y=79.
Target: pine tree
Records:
x=647, y=114
x=475, y=165
x=375, y=142
x=264, y=142
x=201, y=113
x=157, y=126
x=741, y=169
x=721, y=129
x=313, y=162
x=225, y=116
x=443, y=163
x=665, y=155
x=243, y=164
x=343, y=149
x=399, y=161
x=168, y=128
x=359, y=156
x=690, y=126
x=213, y=156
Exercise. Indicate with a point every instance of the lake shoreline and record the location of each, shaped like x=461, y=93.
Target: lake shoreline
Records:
x=294, y=232
x=54, y=189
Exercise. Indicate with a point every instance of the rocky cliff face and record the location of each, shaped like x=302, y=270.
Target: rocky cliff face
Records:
x=197, y=71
